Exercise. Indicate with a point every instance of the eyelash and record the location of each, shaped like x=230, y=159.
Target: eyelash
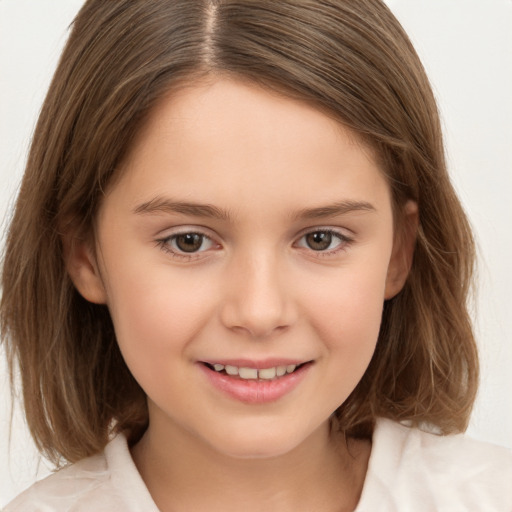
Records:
x=344, y=241
x=165, y=243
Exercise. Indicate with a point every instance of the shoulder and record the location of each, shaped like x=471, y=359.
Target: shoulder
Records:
x=419, y=470
x=58, y=492
x=104, y=483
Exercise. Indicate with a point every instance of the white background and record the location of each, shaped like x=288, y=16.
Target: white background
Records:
x=466, y=46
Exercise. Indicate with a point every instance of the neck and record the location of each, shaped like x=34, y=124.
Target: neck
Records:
x=324, y=473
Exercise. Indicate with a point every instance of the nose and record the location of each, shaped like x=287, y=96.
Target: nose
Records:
x=257, y=299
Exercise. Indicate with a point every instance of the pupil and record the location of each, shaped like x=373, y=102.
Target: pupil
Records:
x=189, y=242
x=319, y=241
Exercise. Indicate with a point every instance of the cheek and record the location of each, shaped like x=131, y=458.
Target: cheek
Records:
x=347, y=310
x=348, y=325
x=156, y=310
x=156, y=316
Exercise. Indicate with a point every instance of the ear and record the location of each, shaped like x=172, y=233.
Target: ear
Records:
x=403, y=250
x=83, y=269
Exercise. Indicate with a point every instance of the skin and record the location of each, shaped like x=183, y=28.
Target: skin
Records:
x=254, y=289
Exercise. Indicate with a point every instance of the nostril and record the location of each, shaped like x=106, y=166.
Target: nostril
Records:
x=257, y=305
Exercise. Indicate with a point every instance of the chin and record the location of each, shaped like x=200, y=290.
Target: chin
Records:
x=260, y=443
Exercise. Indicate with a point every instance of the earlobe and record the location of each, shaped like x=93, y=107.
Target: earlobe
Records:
x=403, y=250
x=83, y=270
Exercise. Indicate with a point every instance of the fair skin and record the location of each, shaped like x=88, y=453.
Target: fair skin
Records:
x=285, y=256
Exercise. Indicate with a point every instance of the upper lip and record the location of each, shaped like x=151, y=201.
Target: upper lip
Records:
x=257, y=364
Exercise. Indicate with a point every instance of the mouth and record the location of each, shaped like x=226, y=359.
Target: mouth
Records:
x=269, y=373
x=253, y=382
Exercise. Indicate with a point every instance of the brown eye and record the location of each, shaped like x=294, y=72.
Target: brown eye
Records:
x=189, y=242
x=319, y=240
x=323, y=240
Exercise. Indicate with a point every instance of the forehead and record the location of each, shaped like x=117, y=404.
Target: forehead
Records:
x=231, y=141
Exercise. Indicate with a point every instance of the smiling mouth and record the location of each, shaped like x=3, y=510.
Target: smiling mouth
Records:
x=245, y=373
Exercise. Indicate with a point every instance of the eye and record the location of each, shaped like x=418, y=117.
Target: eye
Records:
x=187, y=243
x=323, y=240
x=190, y=242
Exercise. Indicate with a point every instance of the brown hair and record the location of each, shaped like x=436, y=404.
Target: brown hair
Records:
x=352, y=59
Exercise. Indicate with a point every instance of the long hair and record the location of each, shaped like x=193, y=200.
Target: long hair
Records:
x=349, y=58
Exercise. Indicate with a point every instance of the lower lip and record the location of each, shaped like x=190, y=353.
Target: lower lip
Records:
x=254, y=391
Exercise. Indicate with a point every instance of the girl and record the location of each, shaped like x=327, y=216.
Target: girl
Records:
x=237, y=272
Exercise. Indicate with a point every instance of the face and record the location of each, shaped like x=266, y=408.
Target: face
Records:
x=244, y=254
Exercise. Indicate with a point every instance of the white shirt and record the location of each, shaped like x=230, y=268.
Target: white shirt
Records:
x=409, y=470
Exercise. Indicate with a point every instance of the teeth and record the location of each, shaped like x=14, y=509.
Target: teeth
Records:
x=253, y=373
x=248, y=373
x=231, y=370
x=267, y=373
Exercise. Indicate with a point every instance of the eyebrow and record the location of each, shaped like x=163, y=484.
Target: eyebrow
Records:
x=163, y=205
x=333, y=210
